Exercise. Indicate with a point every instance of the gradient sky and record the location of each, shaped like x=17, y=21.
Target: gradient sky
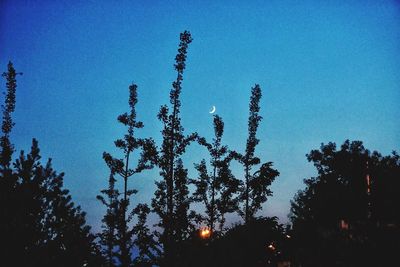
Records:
x=329, y=71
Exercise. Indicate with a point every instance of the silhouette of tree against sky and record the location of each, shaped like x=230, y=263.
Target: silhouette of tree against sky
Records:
x=171, y=201
x=40, y=225
x=346, y=213
x=109, y=221
x=117, y=216
x=7, y=178
x=51, y=230
x=216, y=188
x=346, y=216
x=249, y=244
x=260, y=242
x=149, y=249
x=254, y=190
x=7, y=124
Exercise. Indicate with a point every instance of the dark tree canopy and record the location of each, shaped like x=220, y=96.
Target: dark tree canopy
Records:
x=40, y=225
x=352, y=204
x=260, y=242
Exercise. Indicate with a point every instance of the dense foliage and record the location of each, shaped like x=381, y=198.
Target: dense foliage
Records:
x=347, y=215
x=171, y=199
x=254, y=190
x=216, y=189
x=40, y=225
x=117, y=236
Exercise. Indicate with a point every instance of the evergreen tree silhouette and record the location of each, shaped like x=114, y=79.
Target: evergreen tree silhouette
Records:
x=254, y=190
x=117, y=217
x=171, y=201
x=8, y=180
x=216, y=189
x=41, y=226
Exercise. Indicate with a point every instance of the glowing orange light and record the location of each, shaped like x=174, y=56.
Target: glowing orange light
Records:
x=205, y=233
x=344, y=225
x=271, y=247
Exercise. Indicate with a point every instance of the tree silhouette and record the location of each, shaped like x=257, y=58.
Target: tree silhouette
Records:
x=260, y=242
x=109, y=226
x=347, y=213
x=254, y=190
x=7, y=178
x=171, y=201
x=149, y=250
x=7, y=124
x=40, y=225
x=216, y=189
x=116, y=220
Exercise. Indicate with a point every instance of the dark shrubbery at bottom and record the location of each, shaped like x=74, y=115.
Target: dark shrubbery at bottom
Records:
x=261, y=242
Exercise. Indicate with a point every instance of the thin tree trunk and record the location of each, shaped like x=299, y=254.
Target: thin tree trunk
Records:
x=110, y=253
x=170, y=191
x=124, y=249
x=247, y=196
x=212, y=215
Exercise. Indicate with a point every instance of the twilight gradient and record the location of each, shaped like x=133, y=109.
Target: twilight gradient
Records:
x=329, y=71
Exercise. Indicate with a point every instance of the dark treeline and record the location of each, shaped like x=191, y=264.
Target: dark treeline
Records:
x=348, y=215
x=40, y=225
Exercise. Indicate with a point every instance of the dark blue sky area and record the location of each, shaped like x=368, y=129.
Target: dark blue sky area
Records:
x=329, y=71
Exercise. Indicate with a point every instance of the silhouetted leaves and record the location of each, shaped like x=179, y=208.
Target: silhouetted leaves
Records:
x=216, y=189
x=117, y=238
x=171, y=201
x=254, y=190
x=40, y=225
x=347, y=213
x=242, y=245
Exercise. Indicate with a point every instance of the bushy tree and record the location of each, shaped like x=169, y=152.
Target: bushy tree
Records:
x=216, y=188
x=171, y=201
x=347, y=213
x=255, y=187
x=260, y=242
x=117, y=218
x=40, y=224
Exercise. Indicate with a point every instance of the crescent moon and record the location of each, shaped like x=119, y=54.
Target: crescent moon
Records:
x=213, y=110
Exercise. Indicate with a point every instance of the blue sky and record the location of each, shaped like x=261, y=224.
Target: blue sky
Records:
x=329, y=71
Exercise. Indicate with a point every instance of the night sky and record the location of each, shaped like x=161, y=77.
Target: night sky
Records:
x=329, y=71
